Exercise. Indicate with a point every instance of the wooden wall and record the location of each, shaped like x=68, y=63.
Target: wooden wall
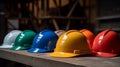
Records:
x=33, y=13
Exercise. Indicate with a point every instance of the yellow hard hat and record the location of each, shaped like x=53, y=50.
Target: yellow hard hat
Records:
x=72, y=43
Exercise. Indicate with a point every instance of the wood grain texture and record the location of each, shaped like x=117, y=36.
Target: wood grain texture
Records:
x=44, y=60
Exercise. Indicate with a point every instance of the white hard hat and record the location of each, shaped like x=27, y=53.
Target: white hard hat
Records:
x=59, y=32
x=10, y=38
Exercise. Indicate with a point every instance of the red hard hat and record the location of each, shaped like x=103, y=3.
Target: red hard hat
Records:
x=106, y=44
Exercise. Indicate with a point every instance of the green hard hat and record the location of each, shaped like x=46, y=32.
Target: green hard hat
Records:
x=24, y=40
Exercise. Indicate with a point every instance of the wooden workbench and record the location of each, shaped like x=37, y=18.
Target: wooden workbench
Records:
x=44, y=60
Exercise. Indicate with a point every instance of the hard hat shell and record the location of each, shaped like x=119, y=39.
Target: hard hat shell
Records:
x=89, y=35
x=59, y=32
x=9, y=39
x=44, y=41
x=72, y=43
x=24, y=40
x=106, y=44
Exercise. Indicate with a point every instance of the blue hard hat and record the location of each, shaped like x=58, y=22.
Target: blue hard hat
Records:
x=44, y=41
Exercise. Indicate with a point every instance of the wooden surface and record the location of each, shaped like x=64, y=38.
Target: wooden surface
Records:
x=44, y=60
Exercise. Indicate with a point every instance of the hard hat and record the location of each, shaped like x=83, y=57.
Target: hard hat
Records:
x=24, y=40
x=59, y=32
x=72, y=43
x=89, y=35
x=9, y=39
x=106, y=44
x=44, y=41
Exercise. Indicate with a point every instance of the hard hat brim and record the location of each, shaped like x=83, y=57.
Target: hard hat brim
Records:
x=103, y=54
x=15, y=48
x=19, y=48
x=5, y=46
x=63, y=54
x=37, y=50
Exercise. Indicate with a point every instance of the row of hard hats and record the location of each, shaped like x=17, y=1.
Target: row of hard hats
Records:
x=24, y=40
x=18, y=40
x=65, y=44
